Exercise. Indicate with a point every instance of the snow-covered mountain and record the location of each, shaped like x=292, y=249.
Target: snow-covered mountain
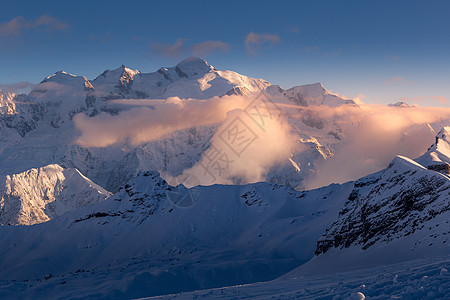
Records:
x=191, y=78
x=437, y=157
x=136, y=242
x=18, y=116
x=314, y=94
x=400, y=213
x=38, y=195
x=39, y=129
x=143, y=238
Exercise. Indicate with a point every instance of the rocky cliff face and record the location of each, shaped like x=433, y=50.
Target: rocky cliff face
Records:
x=17, y=112
x=394, y=203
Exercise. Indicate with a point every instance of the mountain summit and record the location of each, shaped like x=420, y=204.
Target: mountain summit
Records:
x=437, y=157
x=194, y=66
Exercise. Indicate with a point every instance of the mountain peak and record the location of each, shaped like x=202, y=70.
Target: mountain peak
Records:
x=444, y=134
x=127, y=70
x=400, y=104
x=193, y=66
x=437, y=157
x=315, y=94
x=118, y=75
x=58, y=74
x=193, y=60
x=67, y=79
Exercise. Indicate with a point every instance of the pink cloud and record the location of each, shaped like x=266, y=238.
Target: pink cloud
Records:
x=49, y=22
x=253, y=41
x=21, y=86
x=397, y=80
x=413, y=99
x=170, y=51
x=393, y=57
x=205, y=48
x=440, y=99
x=19, y=25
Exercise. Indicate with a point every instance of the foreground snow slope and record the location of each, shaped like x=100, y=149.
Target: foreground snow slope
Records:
x=39, y=195
x=418, y=279
x=391, y=239
x=139, y=243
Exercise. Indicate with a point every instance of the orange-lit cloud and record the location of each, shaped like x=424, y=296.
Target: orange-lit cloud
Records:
x=175, y=50
x=413, y=99
x=148, y=120
x=262, y=148
x=208, y=47
x=17, y=86
x=440, y=99
x=19, y=25
x=397, y=80
x=253, y=41
x=374, y=135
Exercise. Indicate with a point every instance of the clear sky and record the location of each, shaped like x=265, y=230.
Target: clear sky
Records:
x=387, y=51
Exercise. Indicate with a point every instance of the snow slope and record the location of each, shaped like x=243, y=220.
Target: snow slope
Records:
x=39, y=195
x=419, y=279
x=390, y=240
x=141, y=240
x=314, y=94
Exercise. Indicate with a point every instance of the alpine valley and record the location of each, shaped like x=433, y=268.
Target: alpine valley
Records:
x=191, y=182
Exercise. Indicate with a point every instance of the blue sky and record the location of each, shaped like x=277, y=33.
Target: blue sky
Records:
x=386, y=51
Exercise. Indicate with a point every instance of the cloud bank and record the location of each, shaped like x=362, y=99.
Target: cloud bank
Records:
x=245, y=147
x=19, y=25
x=374, y=135
x=22, y=86
x=148, y=120
x=175, y=50
x=253, y=41
x=208, y=47
x=255, y=136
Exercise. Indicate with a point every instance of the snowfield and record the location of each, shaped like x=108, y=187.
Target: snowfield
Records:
x=417, y=279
